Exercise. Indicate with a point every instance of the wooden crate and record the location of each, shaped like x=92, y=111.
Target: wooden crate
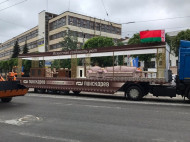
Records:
x=37, y=72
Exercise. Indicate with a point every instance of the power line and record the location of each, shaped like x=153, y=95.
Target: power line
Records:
x=172, y=18
x=4, y=2
x=105, y=10
x=13, y=5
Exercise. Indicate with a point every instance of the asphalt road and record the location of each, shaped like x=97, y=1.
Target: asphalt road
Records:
x=91, y=118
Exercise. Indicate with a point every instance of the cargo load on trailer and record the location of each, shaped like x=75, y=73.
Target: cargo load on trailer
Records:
x=135, y=82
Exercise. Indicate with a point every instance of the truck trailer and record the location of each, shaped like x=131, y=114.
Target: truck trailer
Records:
x=135, y=84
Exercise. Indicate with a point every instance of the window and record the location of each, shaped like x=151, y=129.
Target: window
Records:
x=113, y=30
x=88, y=24
x=97, y=26
x=51, y=26
x=103, y=27
x=70, y=20
x=91, y=25
x=118, y=31
x=84, y=24
x=81, y=73
x=78, y=22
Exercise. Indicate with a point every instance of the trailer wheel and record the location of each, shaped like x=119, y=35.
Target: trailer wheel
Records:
x=134, y=93
x=76, y=92
x=6, y=100
x=63, y=92
x=49, y=91
x=40, y=90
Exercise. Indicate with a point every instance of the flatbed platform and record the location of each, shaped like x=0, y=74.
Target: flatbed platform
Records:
x=101, y=85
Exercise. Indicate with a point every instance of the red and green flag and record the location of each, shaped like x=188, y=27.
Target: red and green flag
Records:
x=152, y=36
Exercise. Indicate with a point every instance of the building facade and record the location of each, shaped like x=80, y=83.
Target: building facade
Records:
x=52, y=28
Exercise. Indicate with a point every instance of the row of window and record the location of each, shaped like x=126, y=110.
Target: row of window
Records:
x=94, y=25
x=55, y=46
x=29, y=36
x=21, y=39
x=85, y=24
x=30, y=45
x=73, y=33
x=58, y=23
x=7, y=53
x=58, y=35
x=58, y=45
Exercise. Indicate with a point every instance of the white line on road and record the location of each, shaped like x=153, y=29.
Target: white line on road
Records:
x=91, y=106
x=105, y=100
x=48, y=137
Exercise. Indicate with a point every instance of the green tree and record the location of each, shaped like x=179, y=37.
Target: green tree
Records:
x=25, y=49
x=16, y=50
x=69, y=42
x=56, y=64
x=12, y=62
x=27, y=65
x=98, y=42
x=5, y=66
x=121, y=57
x=183, y=35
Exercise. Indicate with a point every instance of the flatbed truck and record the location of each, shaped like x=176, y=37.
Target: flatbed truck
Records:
x=135, y=88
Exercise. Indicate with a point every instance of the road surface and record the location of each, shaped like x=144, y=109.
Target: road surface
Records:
x=91, y=118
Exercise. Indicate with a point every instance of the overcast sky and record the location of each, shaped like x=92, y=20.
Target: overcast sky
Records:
x=20, y=18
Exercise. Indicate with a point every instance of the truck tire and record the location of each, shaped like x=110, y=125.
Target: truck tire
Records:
x=6, y=100
x=188, y=95
x=134, y=93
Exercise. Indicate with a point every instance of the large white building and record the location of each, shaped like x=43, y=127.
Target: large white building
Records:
x=51, y=29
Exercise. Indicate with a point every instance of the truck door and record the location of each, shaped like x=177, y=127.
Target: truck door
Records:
x=187, y=68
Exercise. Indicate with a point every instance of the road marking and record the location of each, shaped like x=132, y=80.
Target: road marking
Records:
x=12, y=122
x=48, y=137
x=21, y=121
x=105, y=100
x=91, y=106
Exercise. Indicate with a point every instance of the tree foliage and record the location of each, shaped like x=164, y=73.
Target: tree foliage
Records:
x=183, y=35
x=121, y=57
x=27, y=65
x=69, y=42
x=25, y=49
x=16, y=50
x=98, y=42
